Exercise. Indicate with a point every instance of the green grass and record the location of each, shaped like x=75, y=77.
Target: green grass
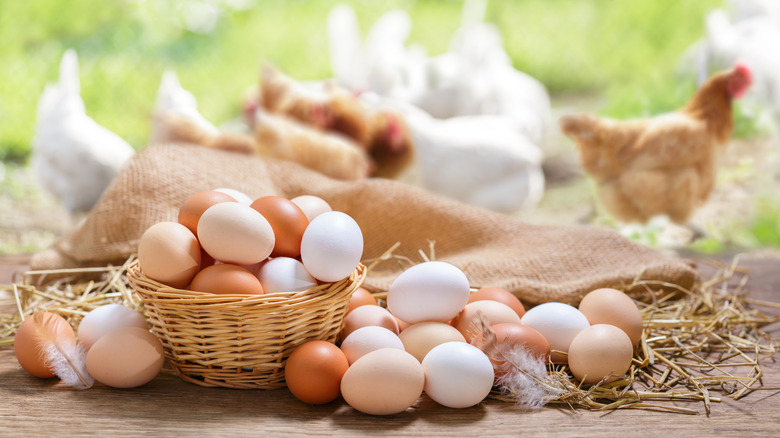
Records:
x=616, y=48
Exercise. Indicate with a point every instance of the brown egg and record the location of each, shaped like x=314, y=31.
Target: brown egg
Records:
x=169, y=253
x=361, y=297
x=314, y=370
x=30, y=338
x=600, y=351
x=125, y=358
x=494, y=311
x=225, y=278
x=288, y=222
x=500, y=295
x=611, y=306
x=369, y=315
x=194, y=206
x=512, y=334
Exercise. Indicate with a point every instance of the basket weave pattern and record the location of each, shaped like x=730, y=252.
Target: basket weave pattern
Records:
x=240, y=341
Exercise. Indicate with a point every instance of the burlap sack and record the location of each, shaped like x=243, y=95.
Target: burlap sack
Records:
x=538, y=263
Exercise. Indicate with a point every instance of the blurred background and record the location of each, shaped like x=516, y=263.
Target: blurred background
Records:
x=615, y=58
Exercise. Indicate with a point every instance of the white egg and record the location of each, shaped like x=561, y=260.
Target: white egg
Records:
x=457, y=374
x=235, y=194
x=285, y=274
x=311, y=205
x=430, y=291
x=104, y=319
x=559, y=323
x=367, y=339
x=332, y=246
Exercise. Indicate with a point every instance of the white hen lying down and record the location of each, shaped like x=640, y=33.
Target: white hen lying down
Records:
x=174, y=100
x=72, y=156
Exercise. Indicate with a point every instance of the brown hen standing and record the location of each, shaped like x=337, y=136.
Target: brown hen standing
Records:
x=664, y=165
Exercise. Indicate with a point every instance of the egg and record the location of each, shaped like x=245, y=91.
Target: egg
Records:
x=193, y=207
x=367, y=316
x=611, y=306
x=599, y=351
x=29, y=340
x=284, y=274
x=501, y=295
x=430, y=291
x=360, y=297
x=418, y=339
x=169, y=253
x=493, y=311
x=332, y=246
x=288, y=222
x=367, y=339
x=457, y=375
x=104, y=319
x=225, y=278
x=512, y=334
x=125, y=358
x=383, y=382
x=314, y=370
x=235, y=233
x=312, y=206
x=559, y=323
x=235, y=194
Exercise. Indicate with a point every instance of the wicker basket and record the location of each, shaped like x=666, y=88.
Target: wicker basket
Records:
x=240, y=341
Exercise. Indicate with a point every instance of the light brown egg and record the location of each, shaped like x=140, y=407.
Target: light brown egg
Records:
x=288, y=222
x=232, y=232
x=611, y=306
x=314, y=370
x=225, y=278
x=125, y=358
x=511, y=335
x=169, y=253
x=194, y=206
x=599, y=351
x=360, y=297
x=368, y=315
x=311, y=205
x=420, y=338
x=494, y=311
x=501, y=295
x=30, y=338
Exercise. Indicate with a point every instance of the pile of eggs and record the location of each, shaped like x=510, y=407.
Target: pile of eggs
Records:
x=225, y=242
x=424, y=341
x=114, y=342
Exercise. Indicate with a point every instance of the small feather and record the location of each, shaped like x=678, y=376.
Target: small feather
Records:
x=66, y=357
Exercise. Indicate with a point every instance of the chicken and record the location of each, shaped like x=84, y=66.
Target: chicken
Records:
x=73, y=156
x=174, y=102
x=664, y=165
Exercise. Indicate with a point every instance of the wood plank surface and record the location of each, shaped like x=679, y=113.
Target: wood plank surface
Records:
x=168, y=406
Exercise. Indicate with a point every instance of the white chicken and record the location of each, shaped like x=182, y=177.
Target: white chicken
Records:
x=73, y=156
x=173, y=101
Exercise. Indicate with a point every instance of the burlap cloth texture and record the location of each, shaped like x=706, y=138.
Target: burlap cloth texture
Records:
x=537, y=263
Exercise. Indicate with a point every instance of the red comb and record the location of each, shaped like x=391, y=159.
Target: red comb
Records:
x=743, y=70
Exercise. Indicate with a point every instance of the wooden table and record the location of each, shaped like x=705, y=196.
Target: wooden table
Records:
x=168, y=406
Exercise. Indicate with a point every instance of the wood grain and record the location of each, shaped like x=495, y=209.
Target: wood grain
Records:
x=168, y=406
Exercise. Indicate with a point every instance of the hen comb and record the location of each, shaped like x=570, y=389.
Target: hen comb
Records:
x=743, y=70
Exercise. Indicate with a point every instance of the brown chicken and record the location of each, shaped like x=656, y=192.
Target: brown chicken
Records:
x=664, y=165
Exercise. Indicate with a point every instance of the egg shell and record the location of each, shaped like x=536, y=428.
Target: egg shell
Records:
x=104, y=319
x=493, y=311
x=226, y=278
x=429, y=291
x=559, y=323
x=239, y=196
x=284, y=274
x=169, y=253
x=332, y=246
x=314, y=370
x=512, y=334
x=501, y=295
x=312, y=206
x=125, y=358
x=235, y=233
x=418, y=339
x=457, y=375
x=383, y=382
x=367, y=339
x=288, y=222
x=599, y=351
x=193, y=207
x=30, y=338
x=611, y=306
x=360, y=297
x=368, y=316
